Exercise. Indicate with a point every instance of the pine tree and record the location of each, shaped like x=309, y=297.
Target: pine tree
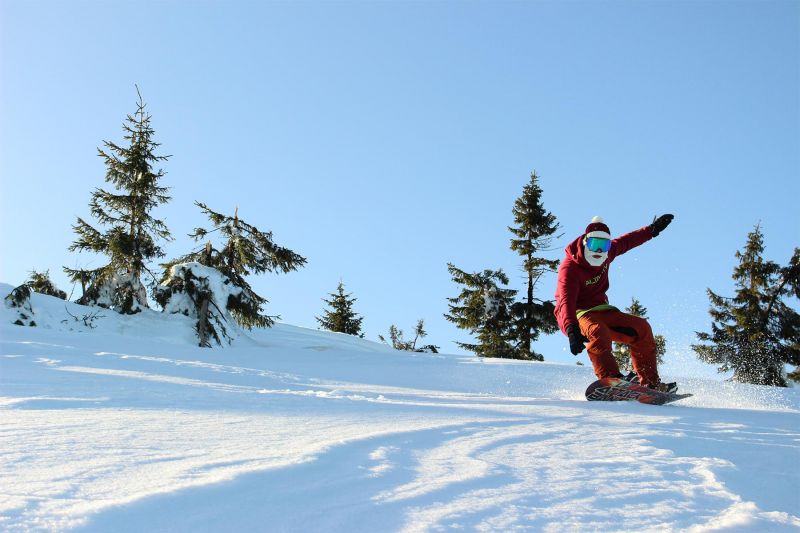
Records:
x=533, y=233
x=785, y=318
x=40, y=282
x=130, y=240
x=755, y=333
x=622, y=352
x=399, y=342
x=340, y=317
x=485, y=309
x=245, y=250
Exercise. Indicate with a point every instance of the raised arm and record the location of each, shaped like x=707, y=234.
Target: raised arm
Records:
x=631, y=240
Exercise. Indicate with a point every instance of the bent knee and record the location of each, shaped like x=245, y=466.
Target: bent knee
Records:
x=642, y=326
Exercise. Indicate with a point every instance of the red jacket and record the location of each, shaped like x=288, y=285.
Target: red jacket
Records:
x=582, y=286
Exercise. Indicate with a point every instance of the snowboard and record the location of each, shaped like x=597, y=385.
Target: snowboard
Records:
x=617, y=389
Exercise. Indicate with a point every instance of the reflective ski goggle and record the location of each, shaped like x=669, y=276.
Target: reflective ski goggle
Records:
x=598, y=244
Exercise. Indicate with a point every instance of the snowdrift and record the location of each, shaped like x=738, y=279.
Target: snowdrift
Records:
x=111, y=422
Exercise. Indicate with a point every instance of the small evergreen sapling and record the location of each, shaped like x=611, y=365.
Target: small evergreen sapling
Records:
x=341, y=317
x=132, y=233
x=399, y=343
x=40, y=282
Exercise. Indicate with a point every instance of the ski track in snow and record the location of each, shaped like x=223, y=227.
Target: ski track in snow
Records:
x=299, y=430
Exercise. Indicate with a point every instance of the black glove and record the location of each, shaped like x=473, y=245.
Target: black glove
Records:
x=660, y=223
x=576, y=339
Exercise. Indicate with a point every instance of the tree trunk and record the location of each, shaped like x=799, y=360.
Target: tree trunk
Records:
x=202, y=324
x=526, y=335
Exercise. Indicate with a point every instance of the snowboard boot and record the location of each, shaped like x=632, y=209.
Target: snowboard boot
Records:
x=631, y=378
x=670, y=388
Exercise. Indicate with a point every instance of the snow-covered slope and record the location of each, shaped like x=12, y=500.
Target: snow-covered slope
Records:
x=128, y=426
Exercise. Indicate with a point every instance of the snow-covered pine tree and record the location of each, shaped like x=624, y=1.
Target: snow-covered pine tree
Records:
x=485, y=309
x=202, y=293
x=755, y=333
x=622, y=352
x=245, y=250
x=398, y=341
x=40, y=282
x=533, y=232
x=341, y=317
x=20, y=299
x=130, y=240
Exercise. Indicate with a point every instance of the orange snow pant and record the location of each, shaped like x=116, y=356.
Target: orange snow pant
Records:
x=604, y=327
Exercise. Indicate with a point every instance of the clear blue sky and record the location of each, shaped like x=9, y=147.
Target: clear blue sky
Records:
x=382, y=140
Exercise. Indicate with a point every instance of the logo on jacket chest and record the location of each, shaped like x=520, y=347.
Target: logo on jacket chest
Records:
x=597, y=278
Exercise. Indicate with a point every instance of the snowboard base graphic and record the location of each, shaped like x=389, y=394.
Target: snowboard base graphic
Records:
x=619, y=390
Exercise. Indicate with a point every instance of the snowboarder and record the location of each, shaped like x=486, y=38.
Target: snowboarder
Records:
x=584, y=314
